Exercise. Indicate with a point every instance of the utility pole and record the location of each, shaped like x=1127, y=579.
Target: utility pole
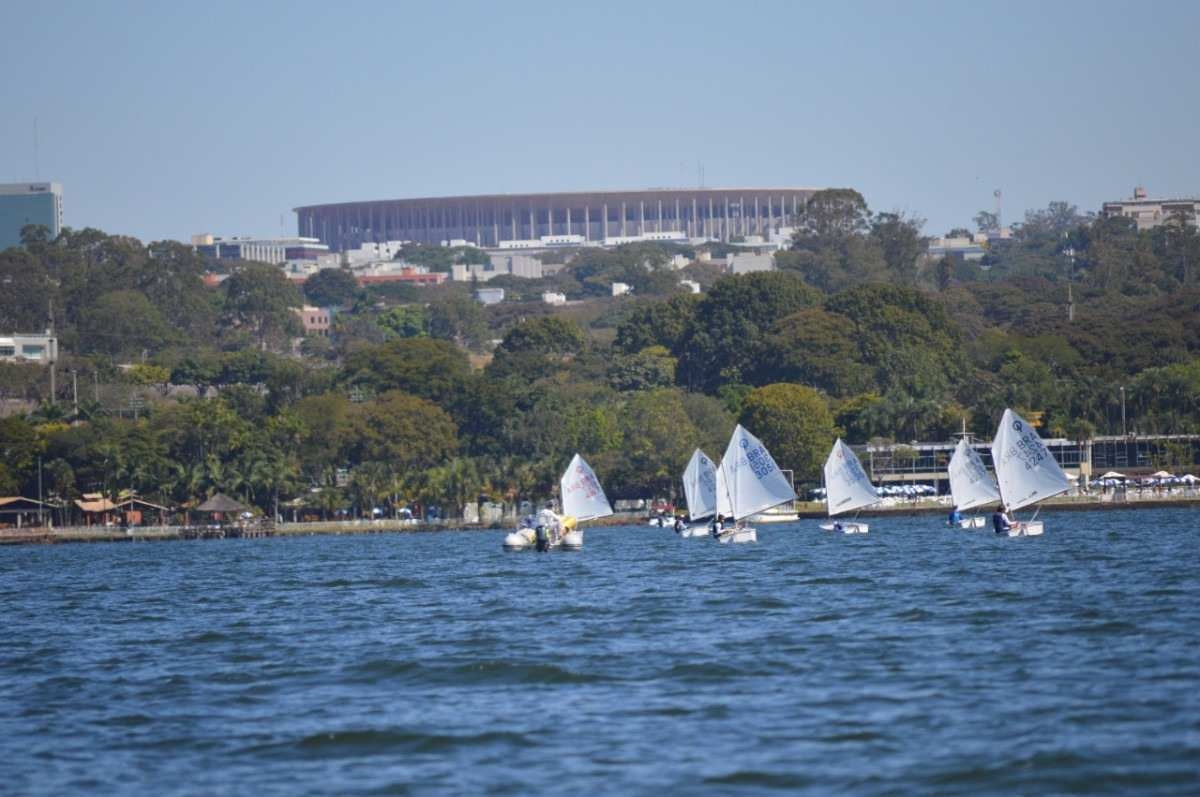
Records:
x=41, y=506
x=75, y=392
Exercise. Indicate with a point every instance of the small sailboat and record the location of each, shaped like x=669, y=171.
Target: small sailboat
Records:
x=847, y=489
x=1026, y=471
x=970, y=484
x=700, y=492
x=752, y=483
x=582, y=499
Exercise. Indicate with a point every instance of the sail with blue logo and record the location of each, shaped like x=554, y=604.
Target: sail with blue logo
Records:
x=753, y=480
x=700, y=486
x=970, y=483
x=1025, y=469
x=847, y=486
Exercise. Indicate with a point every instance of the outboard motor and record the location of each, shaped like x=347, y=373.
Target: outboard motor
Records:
x=542, y=537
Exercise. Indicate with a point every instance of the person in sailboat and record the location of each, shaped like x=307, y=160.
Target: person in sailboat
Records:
x=678, y=525
x=955, y=516
x=718, y=525
x=1001, y=522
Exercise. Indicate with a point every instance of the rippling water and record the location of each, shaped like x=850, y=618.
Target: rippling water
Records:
x=915, y=659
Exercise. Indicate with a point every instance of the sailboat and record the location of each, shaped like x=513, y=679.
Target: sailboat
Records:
x=582, y=499
x=752, y=483
x=970, y=484
x=1025, y=470
x=700, y=492
x=847, y=489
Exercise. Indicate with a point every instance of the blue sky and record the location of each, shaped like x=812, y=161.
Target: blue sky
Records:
x=165, y=119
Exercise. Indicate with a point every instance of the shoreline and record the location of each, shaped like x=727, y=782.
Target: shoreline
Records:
x=804, y=511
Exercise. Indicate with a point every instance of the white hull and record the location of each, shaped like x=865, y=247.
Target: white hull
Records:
x=694, y=531
x=745, y=534
x=847, y=527
x=520, y=540
x=572, y=540
x=976, y=522
x=1032, y=528
x=772, y=517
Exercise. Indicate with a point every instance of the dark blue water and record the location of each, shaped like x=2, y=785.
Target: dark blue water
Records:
x=915, y=659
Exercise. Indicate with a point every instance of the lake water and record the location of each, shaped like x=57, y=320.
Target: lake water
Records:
x=915, y=659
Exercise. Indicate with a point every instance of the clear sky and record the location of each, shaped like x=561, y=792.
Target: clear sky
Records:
x=163, y=119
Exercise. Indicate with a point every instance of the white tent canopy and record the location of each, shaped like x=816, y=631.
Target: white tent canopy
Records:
x=1112, y=474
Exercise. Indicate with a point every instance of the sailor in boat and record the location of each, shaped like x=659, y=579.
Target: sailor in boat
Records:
x=678, y=524
x=718, y=525
x=955, y=516
x=837, y=525
x=1001, y=522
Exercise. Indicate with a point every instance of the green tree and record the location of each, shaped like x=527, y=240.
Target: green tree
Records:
x=794, y=423
x=259, y=299
x=331, y=287
x=123, y=324
x=724, y=341
x=432, y=369
x=900, y=240
x=406, y=321
x=660, y=323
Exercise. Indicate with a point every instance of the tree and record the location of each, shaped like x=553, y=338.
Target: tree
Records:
x=432, y=369
x=407, y=432
x=123, y=324
x=900, y=240
x=536, y=348
x=986, y=221
x=26, y=291
x=818, y=348
x=259, y=299
x=650, y=368
x=723, y=342
x=794, y=423
x=458, y=318
x=660, y=323
x=658, y=439
x=406, y=321
x=331, y=287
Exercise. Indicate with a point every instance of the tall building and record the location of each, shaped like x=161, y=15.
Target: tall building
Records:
x=263, y=250
x=28, y=203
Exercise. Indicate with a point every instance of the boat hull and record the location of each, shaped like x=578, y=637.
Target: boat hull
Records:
x=847, y=527
x=780, y=517
x=1031, y=528
x=694, y=531
x=976, y=522
x=737, y=535
x=572, y=540
x=520, y=540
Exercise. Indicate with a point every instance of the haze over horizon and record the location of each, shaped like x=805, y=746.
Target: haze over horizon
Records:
x=161, y=121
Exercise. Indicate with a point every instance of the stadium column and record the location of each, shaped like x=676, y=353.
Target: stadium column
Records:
x=622, y=219
x=568, y=218
x=641, y=217
x=604, y=223
x=532, y=222
x=660, y=215
x=678, y=221
x=693, y=222
x=587, y=222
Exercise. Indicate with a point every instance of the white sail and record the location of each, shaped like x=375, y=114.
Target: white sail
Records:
x=1025, y=468
x=970, y=483
x=582, y=495
x=724, y=505
x=700, y=486
x=847, y=486
x=753, y=479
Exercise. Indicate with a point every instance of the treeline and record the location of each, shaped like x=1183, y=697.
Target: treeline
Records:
x=857, y=333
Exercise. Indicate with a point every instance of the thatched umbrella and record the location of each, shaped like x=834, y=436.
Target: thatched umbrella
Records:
x=221, y=504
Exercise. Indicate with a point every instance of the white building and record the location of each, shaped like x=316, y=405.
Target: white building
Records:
x=1149, y=213
x=691, y=286
x=276, y=251
x=620, y=289
x=748, y=263
x=549, y=297
x=489, y=295
x=499, y=265
x=40, y=349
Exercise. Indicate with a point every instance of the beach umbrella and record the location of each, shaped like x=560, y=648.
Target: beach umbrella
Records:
x=1162, y=474
x=1112, y=474
x=1189, y=478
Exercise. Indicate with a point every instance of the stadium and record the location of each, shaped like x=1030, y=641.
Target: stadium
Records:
x=599, y=216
